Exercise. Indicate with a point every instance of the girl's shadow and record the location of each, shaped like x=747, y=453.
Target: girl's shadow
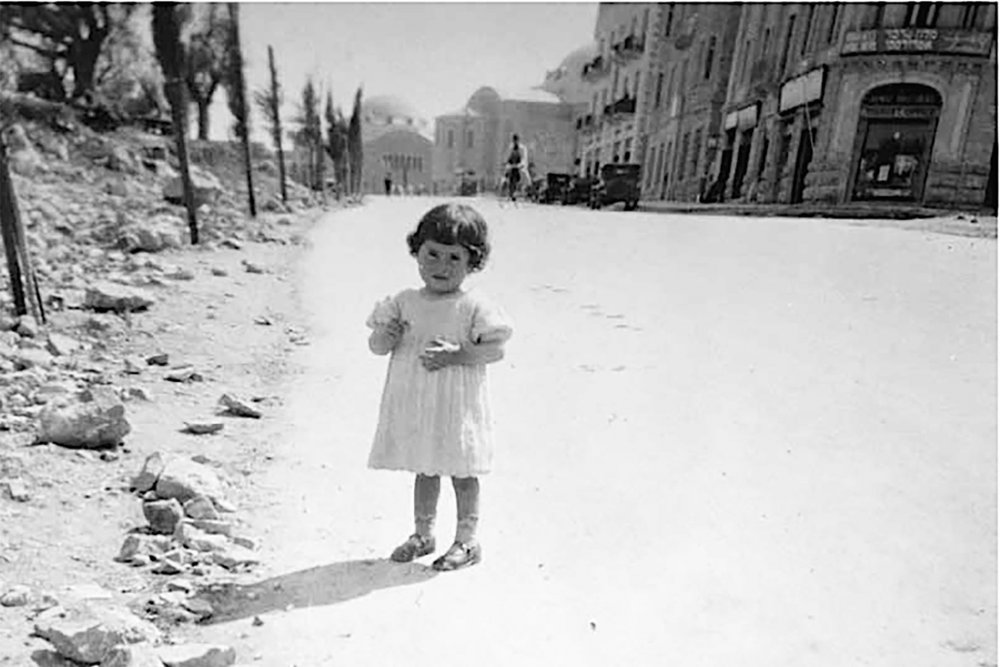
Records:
x=322, y=585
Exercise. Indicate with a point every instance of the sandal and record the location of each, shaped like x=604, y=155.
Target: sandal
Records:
x=459, y=555
x=414, y=547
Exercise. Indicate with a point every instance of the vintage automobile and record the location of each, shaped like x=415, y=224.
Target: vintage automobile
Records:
x=619, y=182
x=555, y=187
x=578, y=190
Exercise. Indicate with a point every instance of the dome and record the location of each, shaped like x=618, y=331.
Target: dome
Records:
x=389, y=109
x=576, y=58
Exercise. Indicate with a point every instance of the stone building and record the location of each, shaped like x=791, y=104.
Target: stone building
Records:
x=684, y=115
x=618, y=85
x=472, y=143
x=849, y=102
x=395, y=144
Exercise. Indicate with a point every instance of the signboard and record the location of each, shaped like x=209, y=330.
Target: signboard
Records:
x=802, y=90
x=917, y=40
x=747, y=117
x=731, y=119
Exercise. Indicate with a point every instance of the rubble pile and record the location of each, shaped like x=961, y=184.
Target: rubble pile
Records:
x=189, y=530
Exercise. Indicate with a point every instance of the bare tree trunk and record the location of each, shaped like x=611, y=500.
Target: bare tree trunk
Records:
x=240, y=89
x=9, y=235
x=175, y=92
x=203, y=119
x=277, y=122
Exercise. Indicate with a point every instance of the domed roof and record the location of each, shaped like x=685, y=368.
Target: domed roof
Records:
x=383, y=107
x=578, y=56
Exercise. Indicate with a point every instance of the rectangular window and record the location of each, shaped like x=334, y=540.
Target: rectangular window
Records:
x=669, y=21
x=682, y=162
x=879, y=14
x=921, y=14
x=666, y=166
x=468, y=139
x=834, y=17
x=969, y=15
x=451, y=139
x=807, y=29
x=710, y=57
x=745, y=60
x=659, y=165
x=788, y=43
x=762, y=159
x=659, y=91
x=627, y=152
x=695, y=153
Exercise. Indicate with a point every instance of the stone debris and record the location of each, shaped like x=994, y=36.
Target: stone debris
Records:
x=60, y=345
x=201, y=508
x=87, y=632
x=15, y=489
x=161, y=232
x=139, y=544
x=206, y=186
x=107, y=296
x=219, y=271
x=203, y=428
x=133, y=365
x=146, y=478
x=158, y=359
x=138, y=394
x=184, y=479
x=16, y=596
x=93, y=423
x=250, y=267
x=197, y=655
x=234, y=405
x=132, y=655
x=163, y=515
x=263, y=320
x=184, y=374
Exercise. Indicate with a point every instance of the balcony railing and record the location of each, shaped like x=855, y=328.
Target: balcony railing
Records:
x=595, y=69
x=620, y=108
x=917, y=40
x=628, y=48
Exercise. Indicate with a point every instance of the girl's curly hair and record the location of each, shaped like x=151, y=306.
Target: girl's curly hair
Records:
x=454, y=224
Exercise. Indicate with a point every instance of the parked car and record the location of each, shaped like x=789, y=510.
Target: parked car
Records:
x=619, y=182
x=578, y=190
x=555, y=187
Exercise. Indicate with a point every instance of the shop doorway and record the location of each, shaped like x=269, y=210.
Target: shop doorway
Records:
x=802, y=159
x=742, y=160
x=894, y=142
x=725, y=164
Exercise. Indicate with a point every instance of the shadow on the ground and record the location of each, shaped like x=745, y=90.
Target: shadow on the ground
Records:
x=322, y=585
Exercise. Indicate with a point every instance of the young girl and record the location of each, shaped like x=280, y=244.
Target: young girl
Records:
x=435, y=417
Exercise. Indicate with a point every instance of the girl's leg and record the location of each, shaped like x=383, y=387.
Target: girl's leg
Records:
x=426, y=489
x=466, y=550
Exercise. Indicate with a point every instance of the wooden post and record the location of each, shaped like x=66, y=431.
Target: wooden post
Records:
x=9, y=234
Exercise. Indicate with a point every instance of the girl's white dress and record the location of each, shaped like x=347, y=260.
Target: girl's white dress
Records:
x=436, y=422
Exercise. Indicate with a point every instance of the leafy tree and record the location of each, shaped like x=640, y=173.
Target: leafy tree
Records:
x=336, y=140
x=311, y=134
x=69, y=37
x=354, y=151
x=236, y=93
x=206, y=64
x=269, y=102
x=128, y=78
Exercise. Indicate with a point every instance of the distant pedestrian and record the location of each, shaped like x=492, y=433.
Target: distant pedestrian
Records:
x=388, y=184
x=516, y=169
x=435, y=415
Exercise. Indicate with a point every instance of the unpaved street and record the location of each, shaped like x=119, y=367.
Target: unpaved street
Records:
x=723, y=441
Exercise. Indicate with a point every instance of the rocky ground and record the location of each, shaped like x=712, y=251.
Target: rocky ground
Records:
x=131, y=420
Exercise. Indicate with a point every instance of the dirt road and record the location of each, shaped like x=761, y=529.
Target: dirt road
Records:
x=723, y=442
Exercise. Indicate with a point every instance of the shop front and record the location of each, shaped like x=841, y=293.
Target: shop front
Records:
x=739, y=128
x=893, y=146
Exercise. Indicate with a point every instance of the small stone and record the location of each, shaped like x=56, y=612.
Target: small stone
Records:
x=201, y=508
x=17, y=596
x=108, y=296
x=168, y=566
x=197, y=655
x=133, y=365
x=182, y=585
x=213, y=526
x=132, y=655
x=27, y=327
x=60, y=346
x=218, y=271
x=257, y=622
x=231, y=243
x=163, y=515
x=203, y=428
x=244, y=541
x=137, y=544
x=15, y=489
x=86, y=632
x=234, y=556
x=138, y=394
x=237, y=406
x=184, y=374
x=201, y=608
x=251, y=267
x=151, y=469
x=32, y=358
x=158, y=359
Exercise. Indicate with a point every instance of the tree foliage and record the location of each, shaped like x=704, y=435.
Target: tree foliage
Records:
x=207, y=64
x=67, y=37
x=354, y=150
x=310, y=134
x=336, y=140
x=269, y=102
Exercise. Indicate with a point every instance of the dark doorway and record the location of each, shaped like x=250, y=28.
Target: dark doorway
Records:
x=726, y=164
x=802, y=160
x=991, y=183
x=742, y=160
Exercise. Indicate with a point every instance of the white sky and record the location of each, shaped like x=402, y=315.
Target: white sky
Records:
x=433, y=55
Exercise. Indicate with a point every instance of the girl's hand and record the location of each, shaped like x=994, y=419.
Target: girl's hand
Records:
x=385, y=339
x=441, y=353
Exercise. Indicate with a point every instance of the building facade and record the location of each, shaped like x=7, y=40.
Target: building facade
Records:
x=618, y=86
x=471, y=144
x=847, y=102
x=395, y=146
x=691, y=73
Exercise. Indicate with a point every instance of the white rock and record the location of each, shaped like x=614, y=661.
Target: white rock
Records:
x=205, y=185
x=132, y=655
x=107, y=296
x=184, y=479
x=30, y=358
x=87, y=632
x=60, y=345
x=97, y=423
x=15, y=489
x=197, y=655
x=146, y=478
x=17, y=596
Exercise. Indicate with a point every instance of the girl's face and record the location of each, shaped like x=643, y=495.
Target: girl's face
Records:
x=442, y=267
